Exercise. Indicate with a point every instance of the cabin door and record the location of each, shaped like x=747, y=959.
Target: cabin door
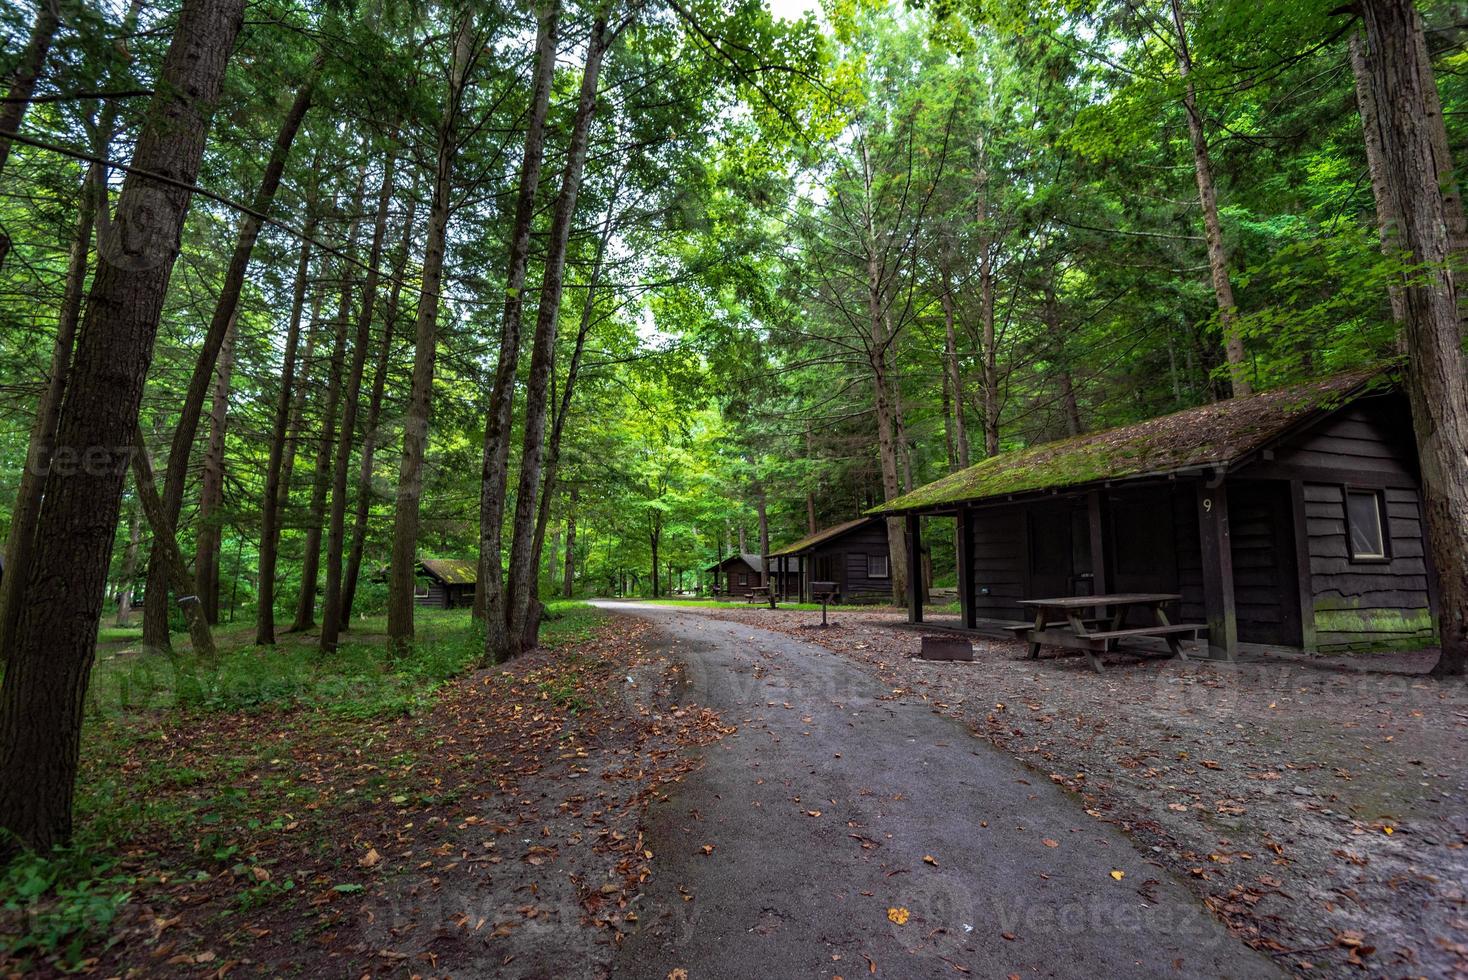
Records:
x=1059, y=560
x=1143, y=553
x=1262, y=545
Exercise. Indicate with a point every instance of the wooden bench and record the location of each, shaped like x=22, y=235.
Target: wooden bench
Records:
x=760, y=593
x=1058, y=623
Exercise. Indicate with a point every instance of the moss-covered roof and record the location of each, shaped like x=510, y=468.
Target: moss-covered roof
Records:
x=450, y=571
x=820, y=537
x=1219, y=433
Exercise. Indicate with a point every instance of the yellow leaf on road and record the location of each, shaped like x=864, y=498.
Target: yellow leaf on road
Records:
x=898, y=915
x=1118, y=875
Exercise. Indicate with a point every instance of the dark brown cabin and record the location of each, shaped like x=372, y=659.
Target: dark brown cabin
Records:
x=445, y=583
x=852, y=556
x=1291, y=518
x=742, y=572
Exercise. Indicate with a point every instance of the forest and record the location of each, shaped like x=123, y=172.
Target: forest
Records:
x=587, y=297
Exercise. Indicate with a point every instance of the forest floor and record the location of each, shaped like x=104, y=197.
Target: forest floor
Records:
x=278, y=813
x=1319, y=806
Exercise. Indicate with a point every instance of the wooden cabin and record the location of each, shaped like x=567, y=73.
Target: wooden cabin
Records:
x=852, y=557
x=1290, y=518
x=445, y=583
x=741, y=572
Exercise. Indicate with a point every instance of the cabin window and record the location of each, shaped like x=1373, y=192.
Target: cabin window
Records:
x=1366, y=527
x=743, y=578
x=420, y=589
x=876, y=566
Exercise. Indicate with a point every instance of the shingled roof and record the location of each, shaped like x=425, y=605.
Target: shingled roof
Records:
x=753, y=561
x=1221, y=433
x=820, y=537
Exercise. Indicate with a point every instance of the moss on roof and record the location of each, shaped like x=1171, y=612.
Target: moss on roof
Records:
x=820, y=537
x=450, y=571
x=1219, y=433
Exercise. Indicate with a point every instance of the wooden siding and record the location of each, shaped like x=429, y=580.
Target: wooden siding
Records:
x=1261, y=544
x=1368, y=442
x=999, y=547
x=1360, y=603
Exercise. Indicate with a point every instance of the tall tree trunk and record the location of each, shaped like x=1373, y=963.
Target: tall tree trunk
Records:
x=1050, y=315
x=568, y=581
x=1223, y=291
x=155, y=600
x=374, y=415
x=43, y=692
x=1386, y=217
x=333, y=610
x=175, y=571
x=987, y=339
x=211, y=492
x=321, y=481
x=425, y=349
x=1437, y=375
x=272, y=499
x=954, y=375
x=489, y=597
x=129, y=566
x=523, y=553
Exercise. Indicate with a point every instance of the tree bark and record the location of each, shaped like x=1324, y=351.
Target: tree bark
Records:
x=425, y=349
x=374, y=414
x=1436, y=375
x=42, y=695
x=333, y=609
x=23, y=85
x=211, y=491
x=272, y=499
x=489, y=595
x=953, y=374
x=1386, y=218
x=155, y=600
x=522, y=584
x=1223, y=291
x=1050, y=315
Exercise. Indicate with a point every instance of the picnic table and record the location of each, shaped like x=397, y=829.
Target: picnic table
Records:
x=1061, y=622
x=760, y=593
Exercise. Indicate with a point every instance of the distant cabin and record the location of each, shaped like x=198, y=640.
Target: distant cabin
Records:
x=849, y=559
x=741, y=572
x=1291, y=518
x=445, y=583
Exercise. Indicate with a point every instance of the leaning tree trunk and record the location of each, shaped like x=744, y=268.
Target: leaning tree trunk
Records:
x=489, y=598
x=43, y=693
x=374, y=414
x=1223, y=291
x=1386, y=217
x=155, y=600
x=1437, y=375
x=425, y=350
x=524, y=557
x=270, y=503
x=211, y=492
x=332, y=609
x=23, y=85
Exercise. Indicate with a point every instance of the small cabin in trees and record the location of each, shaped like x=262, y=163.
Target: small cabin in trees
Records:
x=445, y=583
x=1291, y=518
x=852, y=557
x=743, y=571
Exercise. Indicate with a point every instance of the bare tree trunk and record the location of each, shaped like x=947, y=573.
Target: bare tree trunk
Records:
x=272, y=499
x=43, y=693
x=953, y=374
x=23, y=85
x=155, y=600
x=523, y=551
x=489, y=597
x=374, y=414
x=211, y=492
x=1223, y=291
x=1050, y=314
x=333, y=611
x=1386, y=218
x=129, y=566
x=425, y=349
x=1437, y=376
x=175, y=571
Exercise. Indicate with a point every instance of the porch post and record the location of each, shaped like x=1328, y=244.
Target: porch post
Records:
x=966, y=568
x=1218, y=572
x=914, y=569
x=1096, y=513
x=1303, y=576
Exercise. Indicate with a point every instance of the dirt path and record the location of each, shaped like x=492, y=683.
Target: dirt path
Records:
x=844, y=831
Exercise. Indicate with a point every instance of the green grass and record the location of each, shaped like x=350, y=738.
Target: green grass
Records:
x=58, y=908
x=741, y=604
